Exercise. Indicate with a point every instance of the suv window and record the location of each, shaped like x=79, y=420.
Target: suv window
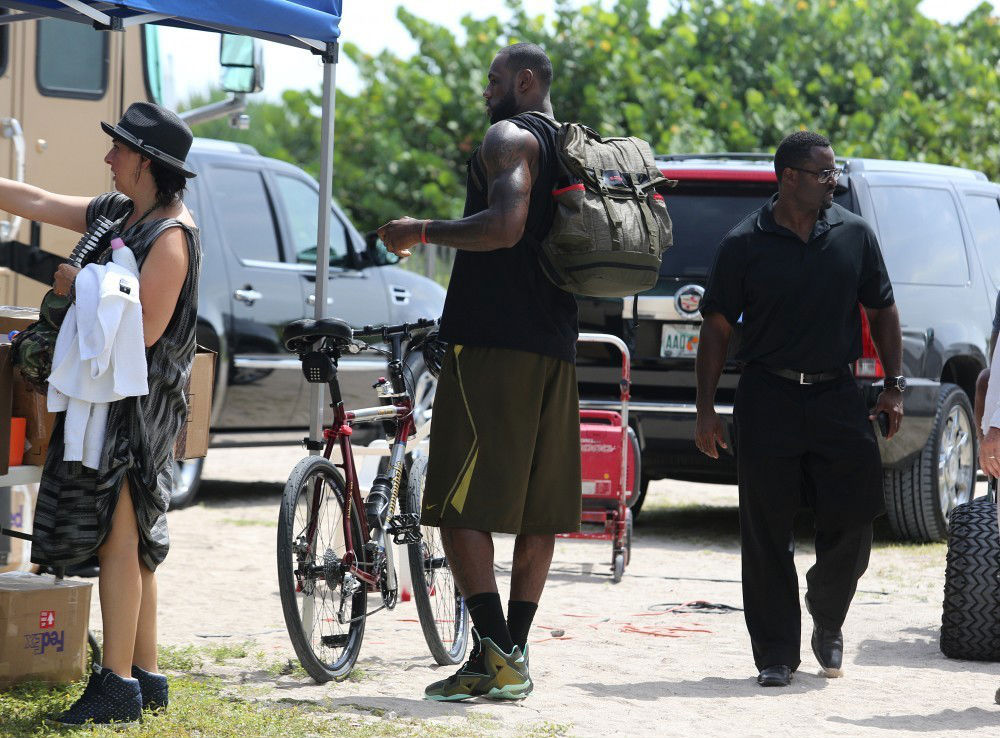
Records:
x=702, y=214
x=984, y=218
x=920, y=235
x=245, y=211
x=302, y=206
x=71, y=60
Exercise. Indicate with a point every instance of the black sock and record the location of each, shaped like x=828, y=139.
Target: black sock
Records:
x=487, y=615
x=520, y=613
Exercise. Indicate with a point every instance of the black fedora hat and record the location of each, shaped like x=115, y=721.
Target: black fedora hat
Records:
x=156, y=133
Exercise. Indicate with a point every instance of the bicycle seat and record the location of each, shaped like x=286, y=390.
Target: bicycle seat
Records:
x=299, y=335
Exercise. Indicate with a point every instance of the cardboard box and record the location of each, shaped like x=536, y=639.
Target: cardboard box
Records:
x=192, y=442
x=43, y=628
x=17, y=505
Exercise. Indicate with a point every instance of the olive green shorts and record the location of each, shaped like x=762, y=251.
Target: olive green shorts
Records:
x=505, y=443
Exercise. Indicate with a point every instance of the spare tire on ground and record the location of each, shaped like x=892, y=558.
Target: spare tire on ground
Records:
x=970, y=624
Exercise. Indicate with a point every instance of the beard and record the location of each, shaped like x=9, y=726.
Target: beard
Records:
x=506, y=107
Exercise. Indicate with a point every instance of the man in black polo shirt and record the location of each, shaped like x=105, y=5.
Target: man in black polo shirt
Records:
x=793, y=273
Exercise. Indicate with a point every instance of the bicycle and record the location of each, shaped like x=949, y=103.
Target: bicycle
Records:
x=332, y=544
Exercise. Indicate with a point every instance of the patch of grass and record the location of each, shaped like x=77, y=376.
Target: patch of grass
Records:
x=178, y=658
x=356, y=675
x=196, y=708
x=288, y=667
x=247, y=522
x=548, y=730
x=228, y=651
x=199, y=707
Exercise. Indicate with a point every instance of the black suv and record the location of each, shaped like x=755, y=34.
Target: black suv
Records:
x=939, y=229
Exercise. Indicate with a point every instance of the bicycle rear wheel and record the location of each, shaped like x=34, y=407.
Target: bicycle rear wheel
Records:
x=311, y=579
x=440, y=607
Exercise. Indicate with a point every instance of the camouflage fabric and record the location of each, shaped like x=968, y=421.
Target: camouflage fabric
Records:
x=33, y=347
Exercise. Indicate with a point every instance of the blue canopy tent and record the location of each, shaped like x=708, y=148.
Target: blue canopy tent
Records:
x=309, y=24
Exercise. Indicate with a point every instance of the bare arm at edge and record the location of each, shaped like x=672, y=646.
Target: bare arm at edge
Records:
x=713, y=344
x=982, y=383
x=34, y=203
x=989, y=443
x=510, y=155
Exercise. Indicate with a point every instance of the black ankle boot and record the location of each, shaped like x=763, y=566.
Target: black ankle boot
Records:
x=107, y=698
x=154, y=689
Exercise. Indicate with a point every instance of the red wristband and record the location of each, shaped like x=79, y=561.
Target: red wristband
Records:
x=423, y=232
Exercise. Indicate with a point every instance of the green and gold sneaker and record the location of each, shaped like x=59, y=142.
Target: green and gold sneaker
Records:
x=505, y=678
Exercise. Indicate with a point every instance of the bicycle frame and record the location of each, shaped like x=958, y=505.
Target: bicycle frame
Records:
x=340, y=432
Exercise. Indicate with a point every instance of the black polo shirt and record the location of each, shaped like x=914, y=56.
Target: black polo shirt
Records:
x=798, y=302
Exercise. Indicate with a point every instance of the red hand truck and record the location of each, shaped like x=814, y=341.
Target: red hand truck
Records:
x=610, y=465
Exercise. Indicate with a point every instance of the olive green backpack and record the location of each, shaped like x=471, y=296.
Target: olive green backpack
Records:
x=610, y=226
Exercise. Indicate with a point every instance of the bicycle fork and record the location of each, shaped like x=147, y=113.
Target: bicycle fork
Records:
x=382, y=504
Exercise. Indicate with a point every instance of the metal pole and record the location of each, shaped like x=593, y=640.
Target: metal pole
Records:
x=323, y=228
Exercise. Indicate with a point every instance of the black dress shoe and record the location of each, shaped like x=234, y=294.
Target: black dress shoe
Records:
x=828, y=647
x=775, y=676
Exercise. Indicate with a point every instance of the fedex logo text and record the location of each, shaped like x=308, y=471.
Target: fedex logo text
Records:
x=38, y=642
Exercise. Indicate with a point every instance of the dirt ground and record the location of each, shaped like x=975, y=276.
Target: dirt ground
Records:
x=628, y=663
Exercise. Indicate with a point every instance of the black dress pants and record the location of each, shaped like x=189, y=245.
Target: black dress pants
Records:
x=798, y=444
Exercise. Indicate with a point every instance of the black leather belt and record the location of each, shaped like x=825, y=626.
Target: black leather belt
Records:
x=804, y=378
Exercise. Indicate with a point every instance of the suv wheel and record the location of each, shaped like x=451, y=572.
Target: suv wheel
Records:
x=919, y=499
x=187, y=479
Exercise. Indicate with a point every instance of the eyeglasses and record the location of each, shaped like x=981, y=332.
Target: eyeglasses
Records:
x=823, y=176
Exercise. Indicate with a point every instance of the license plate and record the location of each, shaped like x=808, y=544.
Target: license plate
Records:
x=679, y=342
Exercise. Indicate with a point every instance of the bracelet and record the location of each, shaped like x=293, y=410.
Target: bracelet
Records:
x=423, y=232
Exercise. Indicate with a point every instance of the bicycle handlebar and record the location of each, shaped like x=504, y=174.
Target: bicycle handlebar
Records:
x=386, y=332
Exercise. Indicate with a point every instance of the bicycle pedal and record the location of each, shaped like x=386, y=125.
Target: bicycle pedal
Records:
x=405, y=528
x=406, y=537
x=338, y=640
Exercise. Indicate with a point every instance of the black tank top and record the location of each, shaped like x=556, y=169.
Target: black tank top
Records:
x=502, y=298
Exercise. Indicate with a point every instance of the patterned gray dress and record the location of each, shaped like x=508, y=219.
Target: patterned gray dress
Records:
x=75, y=503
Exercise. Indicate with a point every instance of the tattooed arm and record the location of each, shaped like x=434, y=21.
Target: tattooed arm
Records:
x=510, y=156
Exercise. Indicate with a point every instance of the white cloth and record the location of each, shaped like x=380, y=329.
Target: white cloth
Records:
x=991, y=409
x=99, y=357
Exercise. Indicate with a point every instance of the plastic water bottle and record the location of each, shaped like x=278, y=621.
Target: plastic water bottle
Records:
x=122, y=256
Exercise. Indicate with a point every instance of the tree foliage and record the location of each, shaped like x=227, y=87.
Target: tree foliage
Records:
x=876, y=76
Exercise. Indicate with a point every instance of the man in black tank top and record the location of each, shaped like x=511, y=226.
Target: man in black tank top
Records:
x=505, y=441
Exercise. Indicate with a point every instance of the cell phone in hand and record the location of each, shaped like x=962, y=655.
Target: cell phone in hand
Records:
x=883, y=423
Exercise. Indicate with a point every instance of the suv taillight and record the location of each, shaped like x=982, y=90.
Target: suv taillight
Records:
x=869, y=365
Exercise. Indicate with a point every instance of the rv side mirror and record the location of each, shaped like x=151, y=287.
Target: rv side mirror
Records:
x=242, y=62
x=378, y=254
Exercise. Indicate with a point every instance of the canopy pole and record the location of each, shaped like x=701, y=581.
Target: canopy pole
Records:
x=323, y=228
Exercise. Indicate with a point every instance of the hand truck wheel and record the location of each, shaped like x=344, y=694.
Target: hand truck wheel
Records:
x=618, y=567
x=628, y=536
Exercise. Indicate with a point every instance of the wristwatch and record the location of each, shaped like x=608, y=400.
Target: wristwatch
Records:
x=898, y=383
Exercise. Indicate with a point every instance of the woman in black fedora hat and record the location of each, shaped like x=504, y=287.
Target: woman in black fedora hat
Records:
x=119, y=509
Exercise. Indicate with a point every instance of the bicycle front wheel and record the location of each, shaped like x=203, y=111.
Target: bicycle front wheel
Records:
x=323, y=603
x=440, y=607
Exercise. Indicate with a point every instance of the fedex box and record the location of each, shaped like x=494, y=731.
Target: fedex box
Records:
x=43, y=628
x=16, y=507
